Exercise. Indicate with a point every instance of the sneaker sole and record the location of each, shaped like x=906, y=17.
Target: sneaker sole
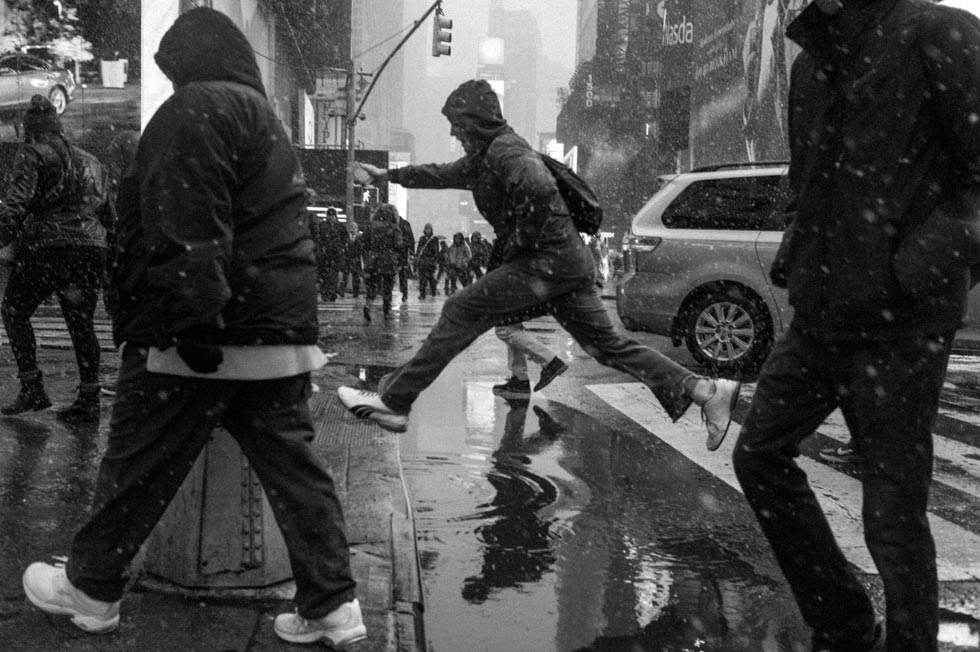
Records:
x=90, y=624
x=357, y=635
x=839, y=459
x=715, y=444
x=506, y=393
x=390, y=422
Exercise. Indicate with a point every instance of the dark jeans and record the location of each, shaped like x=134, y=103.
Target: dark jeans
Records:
x=160, y=424
x=888, y=393
x=454, y=274
x=382, y=284
x=427, y=280
x=328, y=279
x=75, y=276
x=514, y=291
x=355, y=281
x=404, y=272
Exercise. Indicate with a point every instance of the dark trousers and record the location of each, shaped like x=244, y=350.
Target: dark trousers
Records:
x=75, y=276
x=403, y=273
x=160, y=424
x=515, y=290
x=383, y=284
x=456, y=274
x=888, y=393
x=427, y=280
x=328, y=278
x=355, y=281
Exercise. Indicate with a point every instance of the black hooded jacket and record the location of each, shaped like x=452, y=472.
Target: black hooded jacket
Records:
x=511, y=187
x=885, y=147
x=213, y=232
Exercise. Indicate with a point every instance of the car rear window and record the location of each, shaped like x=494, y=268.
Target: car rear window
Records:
x=752, y=203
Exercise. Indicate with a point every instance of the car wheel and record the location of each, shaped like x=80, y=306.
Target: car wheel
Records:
x=728, y=329
x=59, y=99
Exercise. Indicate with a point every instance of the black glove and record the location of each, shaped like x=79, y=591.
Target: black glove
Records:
x=196, y=347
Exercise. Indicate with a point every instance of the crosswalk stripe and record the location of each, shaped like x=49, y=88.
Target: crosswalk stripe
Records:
x=839, y=495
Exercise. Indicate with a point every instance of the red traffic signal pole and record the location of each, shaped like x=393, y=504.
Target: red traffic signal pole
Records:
x=352, y=113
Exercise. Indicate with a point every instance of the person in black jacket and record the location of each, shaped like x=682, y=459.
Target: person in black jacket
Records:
x=353, y=265
x=56, y=210
x=383, y=257
x=218, y=312
x=427, y=256
x=407, y=256
x=885, y=180
x=545, y=267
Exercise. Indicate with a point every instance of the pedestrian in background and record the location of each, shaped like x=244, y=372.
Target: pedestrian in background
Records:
x=353, y=264
x=383, y=257
x=458, y=262
x=217, y=310
x=884, y=160
x=57, y=210
x=427, y=261
x=331, y=241
x=406, y=268
x=443, y=266
x=481, y=255
x=546, y=268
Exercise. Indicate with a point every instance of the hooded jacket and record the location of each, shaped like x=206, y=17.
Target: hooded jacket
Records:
x=511, y=187
x=58, y=196
x=885, y=168
x=383, y=243
x=213, y=232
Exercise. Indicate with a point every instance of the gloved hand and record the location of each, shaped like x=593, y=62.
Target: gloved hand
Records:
x=196, y=347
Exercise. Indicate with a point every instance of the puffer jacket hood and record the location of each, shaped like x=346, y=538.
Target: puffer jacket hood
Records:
x=205, y=45
x=474, y=107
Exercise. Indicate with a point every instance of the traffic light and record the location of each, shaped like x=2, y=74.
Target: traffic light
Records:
x=441, y=36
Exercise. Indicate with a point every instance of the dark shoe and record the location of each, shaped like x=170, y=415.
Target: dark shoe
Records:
x=31, y=396
x=844, y=454
x=86, y=408
x=367, y=314
x=513, y=388
x=549, y=372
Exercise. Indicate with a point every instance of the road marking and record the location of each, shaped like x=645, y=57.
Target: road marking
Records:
x=839, y=494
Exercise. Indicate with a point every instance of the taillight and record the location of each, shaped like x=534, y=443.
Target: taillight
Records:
x=635, y=244
x=640, y=242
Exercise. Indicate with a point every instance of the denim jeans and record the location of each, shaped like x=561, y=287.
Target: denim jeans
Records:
x=74, y=274
x=516, y=291
x=888, y=393
x=520, y=346
x=160, y=423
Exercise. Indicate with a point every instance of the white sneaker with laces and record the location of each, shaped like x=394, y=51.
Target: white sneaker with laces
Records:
x=368, y=405
x=48, y=589
x=342, y=626
x=717, y=411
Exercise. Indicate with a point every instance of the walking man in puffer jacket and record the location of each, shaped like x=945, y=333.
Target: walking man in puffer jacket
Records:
x=56, y=210
x=217, y=316
x=885, y=168
x=546, y=268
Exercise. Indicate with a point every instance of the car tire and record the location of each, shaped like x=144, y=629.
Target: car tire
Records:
x=728, y=329
x=59, y=99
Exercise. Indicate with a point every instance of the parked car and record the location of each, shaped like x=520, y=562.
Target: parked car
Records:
x=696, y=265
x=24, y=75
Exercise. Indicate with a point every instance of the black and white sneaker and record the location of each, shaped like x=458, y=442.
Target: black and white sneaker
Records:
x=368, y=405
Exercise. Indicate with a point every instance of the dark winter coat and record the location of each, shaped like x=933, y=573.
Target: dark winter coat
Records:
x=58, y=196
x=213, y=228
x=383, y=245
x=885, y=169
x=427, y=252
x=511, y=187
x=408, y=238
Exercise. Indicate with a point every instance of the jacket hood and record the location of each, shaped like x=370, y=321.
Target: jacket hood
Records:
x=205, y=45
x=474, y=107
x=386, y=213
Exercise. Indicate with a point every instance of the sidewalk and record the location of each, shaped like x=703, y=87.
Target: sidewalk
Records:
x=162, y=617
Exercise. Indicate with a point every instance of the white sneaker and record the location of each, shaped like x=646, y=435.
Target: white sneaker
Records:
x=368, y=405
x=342, y=626
x=717, y=411
x=48, y=588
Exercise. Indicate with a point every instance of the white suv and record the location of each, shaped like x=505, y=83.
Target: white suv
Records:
x=696, y=266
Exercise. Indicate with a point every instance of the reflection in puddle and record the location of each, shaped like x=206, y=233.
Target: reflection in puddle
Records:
x=542, y=530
